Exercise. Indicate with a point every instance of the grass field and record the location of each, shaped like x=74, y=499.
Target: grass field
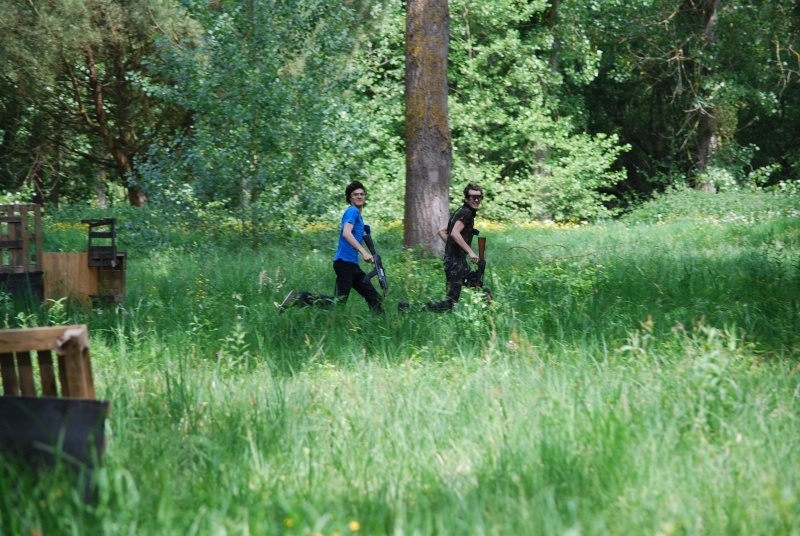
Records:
x=632, y=377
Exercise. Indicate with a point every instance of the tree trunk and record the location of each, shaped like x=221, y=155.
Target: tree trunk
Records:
x=114, y=146
x=553, y=21
x=55, y=184
x=708, y=142
x=99, y=188
x=429, y=148
x=709, y=138
x=36, y=175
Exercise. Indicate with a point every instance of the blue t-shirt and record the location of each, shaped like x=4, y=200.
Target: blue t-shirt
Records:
x=346, y=252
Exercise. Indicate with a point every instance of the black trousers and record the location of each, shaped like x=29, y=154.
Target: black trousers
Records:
x=456, y=271
x=349, y=276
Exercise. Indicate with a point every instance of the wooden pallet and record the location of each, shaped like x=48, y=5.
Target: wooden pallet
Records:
x=102, y=242
x=51, y=416
x=68, y=275
x=110, y=263
x=20, y=238
x=111, y=281
x=71, y=344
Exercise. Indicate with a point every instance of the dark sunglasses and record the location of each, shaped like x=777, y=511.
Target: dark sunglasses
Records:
x=475, y=197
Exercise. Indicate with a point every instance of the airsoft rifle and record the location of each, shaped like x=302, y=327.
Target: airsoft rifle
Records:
x=378, y=270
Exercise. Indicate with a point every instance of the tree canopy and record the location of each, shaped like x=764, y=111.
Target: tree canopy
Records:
x=75, y=75
x=560, y=109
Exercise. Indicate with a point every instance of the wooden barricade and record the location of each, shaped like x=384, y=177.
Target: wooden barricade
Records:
x=111, y=281
x=69, y=275
x=94, y=278
x=110, y=263
x=52, y=415
x=21, y=252
x=20, y=238
x=74, y=362
x=103, y=253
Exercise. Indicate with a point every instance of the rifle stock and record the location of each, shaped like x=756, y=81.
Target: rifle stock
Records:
x=378, y=270
x=481, y=260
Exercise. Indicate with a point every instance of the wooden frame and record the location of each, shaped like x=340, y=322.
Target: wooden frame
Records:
x=68, y=275
x=71, y=344
x=17, y=238
x=103, y=230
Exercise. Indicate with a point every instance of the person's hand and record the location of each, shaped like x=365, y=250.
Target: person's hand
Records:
x=368, y=257
x=473, y=257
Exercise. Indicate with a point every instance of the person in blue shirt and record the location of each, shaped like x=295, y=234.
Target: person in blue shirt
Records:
x=349, y=275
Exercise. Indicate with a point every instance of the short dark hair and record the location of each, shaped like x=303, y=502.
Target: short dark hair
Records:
x=471, y=186
x=352, y=187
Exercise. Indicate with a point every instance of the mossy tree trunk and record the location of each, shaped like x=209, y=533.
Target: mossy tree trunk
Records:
x=429, y=148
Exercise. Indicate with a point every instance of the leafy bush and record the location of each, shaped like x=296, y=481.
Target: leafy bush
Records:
x=270, y=121
x=743, y=206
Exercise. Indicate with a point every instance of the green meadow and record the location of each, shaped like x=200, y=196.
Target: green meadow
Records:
x=637, y=376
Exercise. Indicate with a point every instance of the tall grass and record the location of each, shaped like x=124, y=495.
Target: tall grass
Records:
x=630, y=378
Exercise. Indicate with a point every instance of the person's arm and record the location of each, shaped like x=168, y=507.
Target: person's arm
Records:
x=443, y=234
x=347, y=233
x=456, y=235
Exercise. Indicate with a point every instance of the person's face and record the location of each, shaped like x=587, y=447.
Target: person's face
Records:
x=358, y=197
x=474, y=198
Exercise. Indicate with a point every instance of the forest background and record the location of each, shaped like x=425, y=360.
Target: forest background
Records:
x=635, y=375
x=563, y=110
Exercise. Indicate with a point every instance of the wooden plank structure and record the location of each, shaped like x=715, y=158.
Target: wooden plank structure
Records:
x=94, y=278
x=111, y=281
x=53, y=415
x=21, y=253
x=69, y=275
x=104, y=253
x=20, y=238
x=110, y=263
x=71, y=344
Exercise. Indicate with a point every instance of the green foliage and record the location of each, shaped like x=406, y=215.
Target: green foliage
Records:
x=262, y=111
x=378, y=101
x=571, y=185
x=729, y=172
x=676, y=67
x=270, y=123
x=22, y=196
x=745, y=207
x=512, y=132
x=76, y=112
